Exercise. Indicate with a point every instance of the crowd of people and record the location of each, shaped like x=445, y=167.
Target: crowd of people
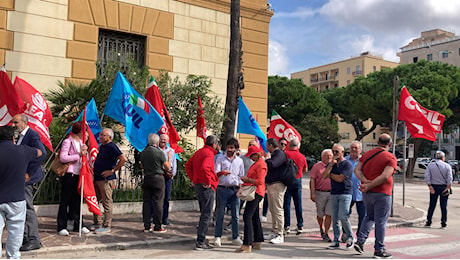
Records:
x=337, y=183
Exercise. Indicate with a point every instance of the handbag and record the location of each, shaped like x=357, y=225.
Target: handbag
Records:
x=59, y=167
x=247, y=192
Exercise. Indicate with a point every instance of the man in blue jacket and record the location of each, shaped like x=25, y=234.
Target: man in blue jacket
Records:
x=29, y=137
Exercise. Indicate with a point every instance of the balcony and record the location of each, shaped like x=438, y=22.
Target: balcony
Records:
x=356, y=73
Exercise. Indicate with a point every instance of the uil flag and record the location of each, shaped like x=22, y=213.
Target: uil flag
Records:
x=416, y=122
x=200, y=124
x=247, y=124
x=129, y=108
x=37, y=110
x=10, y=101
x=86, y=178
x=280, y=128
x=154, y=97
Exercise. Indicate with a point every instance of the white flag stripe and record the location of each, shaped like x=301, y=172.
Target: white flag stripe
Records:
x=403, y=237
x=428, y=249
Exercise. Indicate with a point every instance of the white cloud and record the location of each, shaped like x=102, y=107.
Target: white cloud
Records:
x=301, y=13
x=278, y=60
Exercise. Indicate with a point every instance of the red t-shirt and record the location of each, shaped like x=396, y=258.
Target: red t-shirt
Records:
x=375, y=166
x=299, y=160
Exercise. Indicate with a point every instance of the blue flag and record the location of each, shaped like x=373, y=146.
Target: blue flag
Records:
x=247, y=124
x=92, y=118
x=129, y=108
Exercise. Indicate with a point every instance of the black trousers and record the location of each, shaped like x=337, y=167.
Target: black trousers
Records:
x=154, y=191
x=69, y=204
x=252, y=227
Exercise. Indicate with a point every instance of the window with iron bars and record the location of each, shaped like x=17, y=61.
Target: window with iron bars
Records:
x=113, y=43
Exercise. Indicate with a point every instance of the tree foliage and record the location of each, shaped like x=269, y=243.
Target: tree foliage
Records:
x=306, y=110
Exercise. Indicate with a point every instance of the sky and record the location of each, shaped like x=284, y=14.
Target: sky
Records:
x=309, y=33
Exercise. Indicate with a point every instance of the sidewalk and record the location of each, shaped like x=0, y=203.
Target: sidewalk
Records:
x=127, y=229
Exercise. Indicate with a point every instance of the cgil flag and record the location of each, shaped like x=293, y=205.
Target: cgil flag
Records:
x=129, y=108
x=416, y=122
x=200, y=123
x=10, y=101
x=86, y=177
x=36, y=110
x=247, y=124
x=154, y=97
x=280, y=128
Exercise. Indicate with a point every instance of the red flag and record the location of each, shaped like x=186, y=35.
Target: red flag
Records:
x=154, y=97
x=280, y=128
x=416, y=122
x=10, y=101
x=86, y=177
x=435, y=118
x=200, y=124
x=37, y=110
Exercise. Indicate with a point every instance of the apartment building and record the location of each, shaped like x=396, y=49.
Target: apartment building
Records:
x=443, y=46
x=46, y=41
x=341, y=74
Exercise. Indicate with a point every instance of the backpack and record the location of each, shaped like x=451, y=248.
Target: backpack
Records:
x=290, y=172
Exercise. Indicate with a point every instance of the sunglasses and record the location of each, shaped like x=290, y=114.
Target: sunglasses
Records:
x=336, y=151
x=283, y=144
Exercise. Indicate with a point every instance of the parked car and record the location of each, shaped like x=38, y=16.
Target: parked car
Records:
x=310, y=161
x=419, y=167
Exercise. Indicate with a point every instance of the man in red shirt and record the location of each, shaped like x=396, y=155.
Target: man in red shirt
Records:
x=295, y=189
x=200, y=170
x=375, y=169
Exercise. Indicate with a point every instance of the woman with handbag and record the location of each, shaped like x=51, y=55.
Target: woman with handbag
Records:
x=253, y=235
x=73, y=148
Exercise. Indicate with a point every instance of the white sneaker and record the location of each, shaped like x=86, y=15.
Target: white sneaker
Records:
x=277, y=240
x=237, y=241
x=263, y=219
x=270, y=236
x=63, y=232
x=217, y=242
x=85, y=230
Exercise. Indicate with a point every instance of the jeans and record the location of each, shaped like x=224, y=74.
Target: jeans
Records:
x=168, y=185
x=15, y=215
x=361, y=209
x=104, y=190
x=31, y=224
x=226, y=196
x=252, y=226
x=340, y=204
x=378, y=207
x=438, y=189
x=295, y=191
x=154, y=189
x=206, y=198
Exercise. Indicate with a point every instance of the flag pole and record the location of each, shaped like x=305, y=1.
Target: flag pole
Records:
x=81, y=203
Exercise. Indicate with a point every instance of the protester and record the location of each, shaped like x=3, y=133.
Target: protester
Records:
x=169, y=175
x=438, y=177
x=375, y=170
x=229, y=168
x=153, y=162
x=295, y=189
x=320, y=193
x=27, y=136
x=247, y=162
x=253, y=235
x=73, y=148
x=339, y=171
x=357, y=196
x=283, y=142
x=275, y=190
x=13, y=170
x=108, y=161
x=200, y=170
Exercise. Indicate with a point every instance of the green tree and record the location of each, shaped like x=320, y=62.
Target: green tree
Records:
x=181, y=100
x=306, y=110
